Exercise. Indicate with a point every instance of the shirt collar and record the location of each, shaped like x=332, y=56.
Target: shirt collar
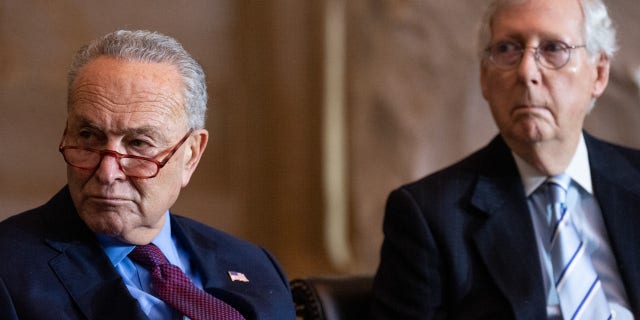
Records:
x=578, y=169
x=117, y=251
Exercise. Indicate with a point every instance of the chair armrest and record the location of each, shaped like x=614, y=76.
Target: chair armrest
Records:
x=332, y=297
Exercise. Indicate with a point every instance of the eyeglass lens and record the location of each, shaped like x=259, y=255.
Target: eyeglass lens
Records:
x=89, y=159
x=550, y=54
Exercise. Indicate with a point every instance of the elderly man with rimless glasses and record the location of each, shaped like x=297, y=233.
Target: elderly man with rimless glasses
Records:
x=106, y=246
x=540, y=223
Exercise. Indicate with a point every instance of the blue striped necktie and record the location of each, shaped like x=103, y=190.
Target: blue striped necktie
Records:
x=579, y=288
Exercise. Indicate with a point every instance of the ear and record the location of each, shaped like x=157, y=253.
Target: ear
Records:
x=602, y=76
x=194, y=148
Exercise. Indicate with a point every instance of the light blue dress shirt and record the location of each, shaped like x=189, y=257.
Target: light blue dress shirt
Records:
x=587, y=217
x=138, y=279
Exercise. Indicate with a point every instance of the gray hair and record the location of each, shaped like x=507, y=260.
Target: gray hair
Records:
x=147, y=46
x=598, y=29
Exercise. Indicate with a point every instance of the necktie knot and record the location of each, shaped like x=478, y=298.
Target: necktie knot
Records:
x=149, y=256
x=558, y=186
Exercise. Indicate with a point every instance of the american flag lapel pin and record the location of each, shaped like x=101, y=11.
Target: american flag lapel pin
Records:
x=237, y=276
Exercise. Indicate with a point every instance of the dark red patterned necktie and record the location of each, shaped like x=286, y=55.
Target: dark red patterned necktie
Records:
x=176, y=289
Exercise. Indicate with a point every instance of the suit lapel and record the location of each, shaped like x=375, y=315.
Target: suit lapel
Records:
x=617, y=188
x=213, y=267
x=89, y=277
x=506, y=240
x=203, y=253
x=83, y=269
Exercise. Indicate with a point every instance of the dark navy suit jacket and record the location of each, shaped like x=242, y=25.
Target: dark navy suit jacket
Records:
x=460, y=243
x=51, y=267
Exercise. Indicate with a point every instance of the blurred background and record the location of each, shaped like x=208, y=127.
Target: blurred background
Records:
x=318, y=108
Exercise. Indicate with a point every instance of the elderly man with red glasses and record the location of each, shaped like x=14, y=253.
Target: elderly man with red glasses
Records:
x=106, y=246
x=540, y=223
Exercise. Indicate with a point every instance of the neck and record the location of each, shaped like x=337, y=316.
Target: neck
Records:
x=548, y=157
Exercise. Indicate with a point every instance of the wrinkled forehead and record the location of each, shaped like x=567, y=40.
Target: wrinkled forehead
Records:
x=109, y=89
x=122, y=78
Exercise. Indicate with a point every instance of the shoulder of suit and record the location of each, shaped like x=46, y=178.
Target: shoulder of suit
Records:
x=606, y=148
x=208, y=232
x=493, y=157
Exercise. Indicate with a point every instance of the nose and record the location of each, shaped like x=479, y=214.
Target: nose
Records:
x=529, y=69
x=109, y=169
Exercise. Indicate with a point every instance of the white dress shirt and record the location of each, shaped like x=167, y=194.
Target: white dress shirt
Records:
x=587, y=217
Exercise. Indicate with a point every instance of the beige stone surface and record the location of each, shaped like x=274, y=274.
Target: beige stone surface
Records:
x=412, y=102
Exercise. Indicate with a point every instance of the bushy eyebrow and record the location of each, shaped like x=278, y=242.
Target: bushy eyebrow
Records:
x=146, y=130
x=150, y=131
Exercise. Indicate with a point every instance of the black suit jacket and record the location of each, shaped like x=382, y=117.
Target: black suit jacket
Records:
x=51, y=267
x=460, y=243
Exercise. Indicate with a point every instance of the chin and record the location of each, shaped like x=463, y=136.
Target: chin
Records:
x=104, y=223
x=529, y=132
